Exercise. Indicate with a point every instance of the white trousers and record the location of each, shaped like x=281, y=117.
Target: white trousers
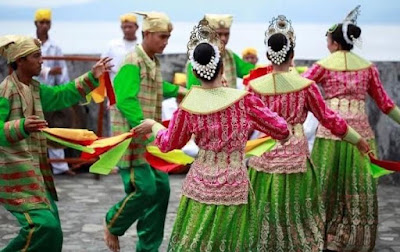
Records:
x=58, y=168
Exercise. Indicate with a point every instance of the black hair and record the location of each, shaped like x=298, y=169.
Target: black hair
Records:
x=14, y=65
x=276, y=42
x=353, y=31
x=202, y=54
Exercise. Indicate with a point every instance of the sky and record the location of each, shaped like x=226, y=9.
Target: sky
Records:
x=304, y=11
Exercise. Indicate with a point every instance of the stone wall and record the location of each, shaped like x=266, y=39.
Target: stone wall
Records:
x=387, y=132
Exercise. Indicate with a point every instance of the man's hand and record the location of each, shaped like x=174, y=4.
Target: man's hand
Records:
x=34, y=124
x=101, y=66
x=55, y=71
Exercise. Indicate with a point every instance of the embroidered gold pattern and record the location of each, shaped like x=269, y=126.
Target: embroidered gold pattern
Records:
x=217, y=178
x=291, y=157
x=354, y=112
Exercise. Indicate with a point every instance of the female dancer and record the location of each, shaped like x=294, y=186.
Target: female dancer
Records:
x=285, y=181
x=216, y=212
x=348, y=189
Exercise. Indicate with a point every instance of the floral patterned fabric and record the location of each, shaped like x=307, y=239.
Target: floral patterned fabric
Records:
x=349, y=193
x=219, y=174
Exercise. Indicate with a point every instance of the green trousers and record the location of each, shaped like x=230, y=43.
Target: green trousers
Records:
x=40, y=231
x=147, y=194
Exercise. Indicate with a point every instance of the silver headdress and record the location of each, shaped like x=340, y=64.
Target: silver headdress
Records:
x=351, y=18
x=203, y=33
x=280, y=24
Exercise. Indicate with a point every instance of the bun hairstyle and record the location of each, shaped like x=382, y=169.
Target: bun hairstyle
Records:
x=353, y=33
x=206, y=61
x=280, y=49
x=280, y=40
x=204, y=51
x=347, y=34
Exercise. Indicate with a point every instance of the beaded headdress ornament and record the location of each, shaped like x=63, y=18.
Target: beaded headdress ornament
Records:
x=203, y=33
x=351, y=18
x=280, y=24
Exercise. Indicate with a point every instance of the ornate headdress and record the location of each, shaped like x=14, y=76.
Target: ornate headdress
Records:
x=351, y=18
x=203, y=33
x=282, y=25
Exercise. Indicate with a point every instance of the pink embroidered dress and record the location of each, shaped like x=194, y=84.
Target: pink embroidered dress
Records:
x=292, y=96
x=290, y=213
x=216, y=189
x=348, y=189
x=347, y=80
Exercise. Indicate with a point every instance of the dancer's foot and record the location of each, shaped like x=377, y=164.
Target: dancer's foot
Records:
x=111, y=240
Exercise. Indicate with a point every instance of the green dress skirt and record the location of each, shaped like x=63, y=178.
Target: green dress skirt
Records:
x=291, y=216
x=206, y=227
x=349, y=193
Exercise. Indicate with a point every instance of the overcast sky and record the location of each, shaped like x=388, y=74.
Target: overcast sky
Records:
x=305, y=11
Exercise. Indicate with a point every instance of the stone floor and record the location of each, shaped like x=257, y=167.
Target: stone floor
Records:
x=84, y=201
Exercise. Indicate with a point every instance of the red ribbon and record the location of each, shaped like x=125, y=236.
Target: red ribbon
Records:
x=385, y=164
x=164, y=166
x=109, y=88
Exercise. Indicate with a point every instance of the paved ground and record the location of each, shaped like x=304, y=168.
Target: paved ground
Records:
x=84, y=201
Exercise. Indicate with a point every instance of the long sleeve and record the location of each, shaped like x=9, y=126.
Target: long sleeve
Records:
x=327, y=117
x=243, y=68
x=10, y=131
x=170, y=90
x=265, y=120
x=177, y=134
x=66, y=95
x=315, y=73
x=378, y=93
x=127, y=87
x=191, y=79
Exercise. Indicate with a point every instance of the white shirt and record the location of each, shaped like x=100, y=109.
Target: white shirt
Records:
x=169, y=106
x=50, y=48
x=117, y=49
x=239, y=84
x=310, y=127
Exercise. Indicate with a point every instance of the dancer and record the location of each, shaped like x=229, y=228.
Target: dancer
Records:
x=234, y=66
x=216, y=212
x=139, y=93
x=348, y=188
x=26, y=182
x=291, y=216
